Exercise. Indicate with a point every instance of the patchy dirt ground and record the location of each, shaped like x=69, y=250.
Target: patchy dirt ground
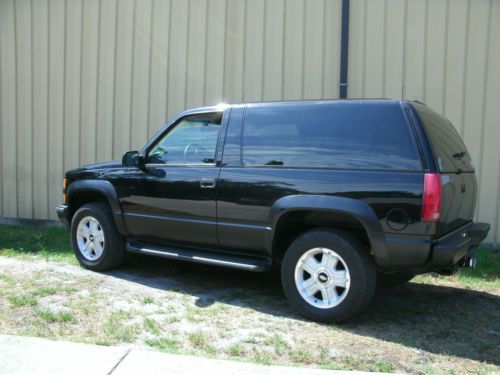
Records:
x=180, y=307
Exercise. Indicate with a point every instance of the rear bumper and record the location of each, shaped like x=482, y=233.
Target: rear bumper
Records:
x=451, y=249
x=63, y=213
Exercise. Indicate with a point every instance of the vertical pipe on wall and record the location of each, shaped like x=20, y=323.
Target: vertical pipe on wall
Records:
x=344, y=49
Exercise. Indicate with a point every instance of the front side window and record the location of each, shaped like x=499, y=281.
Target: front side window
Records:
x=192, y=141
x=335, y=135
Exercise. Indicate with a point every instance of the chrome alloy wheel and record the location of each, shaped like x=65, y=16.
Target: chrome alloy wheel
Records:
x=322, y=278
x=90, y=238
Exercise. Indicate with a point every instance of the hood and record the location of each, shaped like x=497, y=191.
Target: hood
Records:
x=89, y=168
x=104, y=165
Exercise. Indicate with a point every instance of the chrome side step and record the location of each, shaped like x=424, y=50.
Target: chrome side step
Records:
x=189, y=255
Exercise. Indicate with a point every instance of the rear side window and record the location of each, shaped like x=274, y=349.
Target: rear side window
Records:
x=336, y=135
x=449, y=149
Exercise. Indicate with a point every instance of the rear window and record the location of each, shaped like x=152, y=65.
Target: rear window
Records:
x=449, y=149
x=357, y=135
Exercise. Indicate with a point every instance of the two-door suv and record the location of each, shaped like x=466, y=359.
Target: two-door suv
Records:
x=339, y=194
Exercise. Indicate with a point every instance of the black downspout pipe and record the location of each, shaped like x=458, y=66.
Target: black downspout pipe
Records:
x=344, y=49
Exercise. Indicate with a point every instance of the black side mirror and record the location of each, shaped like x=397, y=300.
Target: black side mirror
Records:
x=133, y=159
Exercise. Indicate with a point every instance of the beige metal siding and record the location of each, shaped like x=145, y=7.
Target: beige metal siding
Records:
x=84, y=81
x=446, y=54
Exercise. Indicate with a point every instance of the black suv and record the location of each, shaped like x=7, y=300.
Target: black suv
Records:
x=339, y=194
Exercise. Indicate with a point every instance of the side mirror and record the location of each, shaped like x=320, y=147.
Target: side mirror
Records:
x=133, y=159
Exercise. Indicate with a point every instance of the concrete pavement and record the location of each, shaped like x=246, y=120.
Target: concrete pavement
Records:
x=27, y=355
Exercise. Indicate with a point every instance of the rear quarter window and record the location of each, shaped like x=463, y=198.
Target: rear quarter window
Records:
x=449, y=149
x=351, y=135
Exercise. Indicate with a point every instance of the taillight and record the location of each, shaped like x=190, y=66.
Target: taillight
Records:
x=431, y=205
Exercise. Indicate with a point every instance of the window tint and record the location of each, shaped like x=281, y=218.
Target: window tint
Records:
x=448, y=147
x=192, y=141
x=339, y=135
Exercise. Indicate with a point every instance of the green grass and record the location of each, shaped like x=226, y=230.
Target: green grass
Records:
x=198, y=339
x=279, y=344
x=51, y=243
x=235, y=350
x=486, y=275
x=303, y=356
x=24, y=299
x=148, y=300
x=164, y=344
x=117, y=330
x=9, y=280
x=45, y=291
x=356, y=364
x=57, y=317
x=151, y=326
x=433, y=316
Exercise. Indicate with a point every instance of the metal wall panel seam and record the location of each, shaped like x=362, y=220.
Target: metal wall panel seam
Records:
x=15, y=107
x=479, y=167
x=424, y=59
x=445, y=61
x=1, y=133
x=283, y=53
x=365, y=36
x=384, y=57
x=113, y=143
x=405, y=23
x=98, y=68
x=148, y=111
x=132, y=56
x=205, y=54
x=464, y=78
x=245, y=13
x=303, y=41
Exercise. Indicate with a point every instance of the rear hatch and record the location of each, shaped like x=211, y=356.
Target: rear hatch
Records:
x=458, y=178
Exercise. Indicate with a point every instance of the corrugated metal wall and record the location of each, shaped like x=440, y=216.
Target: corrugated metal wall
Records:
x=84, y=81
x=445, y=53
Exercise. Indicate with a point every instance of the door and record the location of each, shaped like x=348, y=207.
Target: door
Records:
x=458, y=177
x=173, y=200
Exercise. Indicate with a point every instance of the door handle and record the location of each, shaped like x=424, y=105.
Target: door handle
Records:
x=207, y=183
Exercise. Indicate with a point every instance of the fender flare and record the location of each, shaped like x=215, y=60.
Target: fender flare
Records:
x=106, y=189
x=357, y=209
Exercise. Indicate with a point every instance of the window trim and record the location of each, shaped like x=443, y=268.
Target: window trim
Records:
x=171, y=127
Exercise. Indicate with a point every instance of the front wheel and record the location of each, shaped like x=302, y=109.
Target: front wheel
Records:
x=327, y=275
x=96, y=242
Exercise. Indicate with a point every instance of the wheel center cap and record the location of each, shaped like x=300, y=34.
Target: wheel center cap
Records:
x=91, y=238
x=322, y=277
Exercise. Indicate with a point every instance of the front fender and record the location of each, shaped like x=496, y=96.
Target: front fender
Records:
x=106, y=189
x=355, y=208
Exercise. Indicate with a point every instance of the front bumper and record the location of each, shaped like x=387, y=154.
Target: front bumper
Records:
x=457, y=246
x=63, y=213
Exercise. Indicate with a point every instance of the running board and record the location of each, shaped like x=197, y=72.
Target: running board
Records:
x=215, y=259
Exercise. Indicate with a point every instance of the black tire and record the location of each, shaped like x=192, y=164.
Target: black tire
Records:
x=113, y=251
x=360, y=264
x=393, y=278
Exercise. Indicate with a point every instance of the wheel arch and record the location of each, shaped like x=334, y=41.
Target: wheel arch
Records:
x=292, y=215
x=86, y=191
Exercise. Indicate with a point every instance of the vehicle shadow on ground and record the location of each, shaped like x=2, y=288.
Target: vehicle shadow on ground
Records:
x=436, y=319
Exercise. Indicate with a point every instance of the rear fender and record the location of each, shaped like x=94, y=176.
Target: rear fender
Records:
x=357, y=209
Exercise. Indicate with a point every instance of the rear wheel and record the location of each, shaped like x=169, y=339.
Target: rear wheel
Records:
x=96, y=242
x=327, y=275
